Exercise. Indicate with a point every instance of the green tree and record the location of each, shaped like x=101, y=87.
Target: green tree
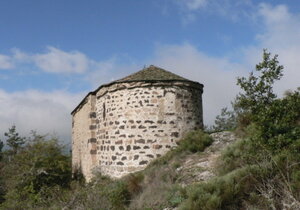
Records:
x=225, y=121
x=279, y=123
x=40, y=166
x=14, y=140
x=258, y=87
x=276, y=120
x=1, y=147
x=2, y=187
x=261, y=170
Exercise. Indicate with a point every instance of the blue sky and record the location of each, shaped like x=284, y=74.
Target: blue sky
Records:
x=53, y=52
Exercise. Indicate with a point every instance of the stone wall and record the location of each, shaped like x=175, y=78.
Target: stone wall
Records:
x=83, y=158
x=133, y=123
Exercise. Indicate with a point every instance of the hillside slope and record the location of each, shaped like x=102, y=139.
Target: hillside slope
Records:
x=165, y=181
x=200, y=167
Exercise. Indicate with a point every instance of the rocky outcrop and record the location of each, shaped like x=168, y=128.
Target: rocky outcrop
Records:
x=201, y=167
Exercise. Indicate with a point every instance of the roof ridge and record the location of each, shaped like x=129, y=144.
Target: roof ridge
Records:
x=152, y=73
x=164, y=76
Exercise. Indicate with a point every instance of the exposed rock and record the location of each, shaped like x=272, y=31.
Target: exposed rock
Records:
x=200, y=167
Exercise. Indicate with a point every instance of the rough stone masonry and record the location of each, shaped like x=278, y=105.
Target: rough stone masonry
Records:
x=122, y=126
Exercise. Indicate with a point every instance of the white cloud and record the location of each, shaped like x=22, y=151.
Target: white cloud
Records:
x=54, y=60
x=45, y=112
x=280, y=34
x=194, y=4
x=58, y=61
x=20, y=56
x=108, y=71
x=230, y=9
x=49, y=112
x=101, y=73
x=6, y=62
x=218, y=75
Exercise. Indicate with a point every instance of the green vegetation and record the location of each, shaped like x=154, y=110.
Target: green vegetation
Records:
x=226, y=121
x=194, y=141
x=14, y=141
x=1, y=148
x=160, y=184
x=38, y=176
x=29, y=171
x=259, y=171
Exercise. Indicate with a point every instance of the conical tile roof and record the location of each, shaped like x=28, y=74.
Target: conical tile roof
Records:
x=152, y=73
x=149, y=74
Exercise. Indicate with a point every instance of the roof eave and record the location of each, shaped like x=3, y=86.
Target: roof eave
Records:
x=129, y=81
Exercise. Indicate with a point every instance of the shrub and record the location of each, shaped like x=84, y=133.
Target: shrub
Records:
x=38, y=166
x=119, y=195
x=225, y=192
x=195, y=141
x=227, y=120
x=134, y=182
x=159, y=186
x=278, y=124
x=14, y=141
x=176, y=196
x=277, y=180
x=258, y=87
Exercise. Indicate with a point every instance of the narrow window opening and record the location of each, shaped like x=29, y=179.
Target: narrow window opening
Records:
x=104, y=111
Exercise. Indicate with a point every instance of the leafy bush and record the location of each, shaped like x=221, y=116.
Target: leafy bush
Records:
x=276, y=120
x=176, y=195
x=134, y=182
x=268, y=151
x=258, y=89
x=14, y=141
x=1, y=147
x=195, y=141
x=160, y=180
x=158, y=189
x=37, y=167
x=101, y=193
x=237, y=156
x=279, y=123
x=227, y=120
x=225, y=192
x=118, y=194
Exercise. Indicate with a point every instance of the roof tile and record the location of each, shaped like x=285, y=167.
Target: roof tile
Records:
x=152, y=73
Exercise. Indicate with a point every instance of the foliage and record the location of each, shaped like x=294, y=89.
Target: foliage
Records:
x=14, y=141
x=258, y=90
x=225, y=121
x=276, y=120
x=261, y=170
x=194, y=141
x=2, y=184
x=101, y=193
x=39, y=177
x=39, y=165
x=224, y=192
x=118, y=194
x=160, y=186
x=250, y=177
x=211, y=195
x=277, y=180
x=176, y=196
x=278, y=124
x=1, y=147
